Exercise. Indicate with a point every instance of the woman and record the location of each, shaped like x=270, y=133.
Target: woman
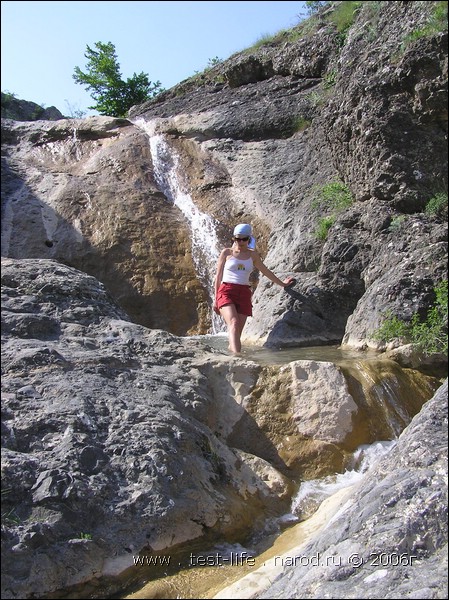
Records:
x=232, y=290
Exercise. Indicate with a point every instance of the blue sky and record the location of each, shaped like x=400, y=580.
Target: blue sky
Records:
x=42, y=42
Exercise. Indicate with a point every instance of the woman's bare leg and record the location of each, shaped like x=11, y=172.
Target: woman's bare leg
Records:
x=242, y=321
x=235, y=326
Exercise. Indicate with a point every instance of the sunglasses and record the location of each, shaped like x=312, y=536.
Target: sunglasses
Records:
x=244, y=239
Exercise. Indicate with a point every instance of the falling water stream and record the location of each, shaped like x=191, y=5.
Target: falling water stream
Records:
x=167, y=173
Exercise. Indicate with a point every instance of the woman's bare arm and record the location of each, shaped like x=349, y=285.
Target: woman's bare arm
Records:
x=257, y=261
x=220, y=266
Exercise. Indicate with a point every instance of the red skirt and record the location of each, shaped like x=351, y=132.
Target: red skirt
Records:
x=234, y=293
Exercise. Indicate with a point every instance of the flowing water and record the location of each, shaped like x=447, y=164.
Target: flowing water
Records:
x=313, y=492
x=281, y=356
x=168, y=176
x=207, y=573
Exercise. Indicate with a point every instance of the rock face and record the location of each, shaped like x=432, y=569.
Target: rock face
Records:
x=261, y=137
x=110, y=435
x=82, y=192
x=120, y=436
x=118, y=439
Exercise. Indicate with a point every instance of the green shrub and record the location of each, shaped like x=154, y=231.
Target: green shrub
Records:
x=334, y=195
x=438, y=20
x=8, y=514
x=300, y=123
x=213, y=62
x=396, y=223
x=343, y=15
x=430, y=335
x=314, y=6
x=436, y=23
x=263, y=40
x=7, y=99
x=330, y=79
x=437, y=205
x=319, y=98
x=324, y=224
x=392, y=328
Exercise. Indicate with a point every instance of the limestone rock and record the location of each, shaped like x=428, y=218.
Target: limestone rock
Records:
x=258, y=138
x=407, y=556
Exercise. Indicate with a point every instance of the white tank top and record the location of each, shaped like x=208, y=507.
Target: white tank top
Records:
x=237, y=270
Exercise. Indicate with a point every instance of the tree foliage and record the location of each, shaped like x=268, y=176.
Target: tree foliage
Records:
x=314, y=7
x=113, y=96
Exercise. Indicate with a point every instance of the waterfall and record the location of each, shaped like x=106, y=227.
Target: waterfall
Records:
x=312, y=493
x=76, y=145
x=388, y=391
x=204, y=237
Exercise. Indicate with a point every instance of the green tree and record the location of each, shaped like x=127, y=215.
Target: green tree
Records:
x=314, y=7
x=113, y=96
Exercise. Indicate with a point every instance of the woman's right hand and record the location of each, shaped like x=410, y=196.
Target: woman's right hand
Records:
x=289, y=282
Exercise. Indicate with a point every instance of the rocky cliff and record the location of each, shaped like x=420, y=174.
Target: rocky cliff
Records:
x=24, y=110
x=271, y=136
x=119, y=436
x=271, y=129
